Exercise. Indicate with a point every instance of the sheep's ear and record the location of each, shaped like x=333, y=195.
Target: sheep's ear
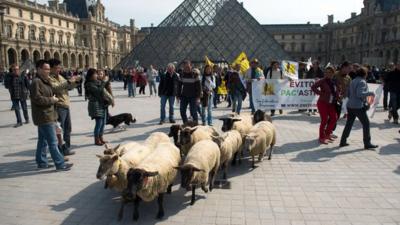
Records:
x=150, y=174
x=197, y=170
x=222, y=119
x=192, y=130
x=99, y=156
x=236, y=120
x=116, y=148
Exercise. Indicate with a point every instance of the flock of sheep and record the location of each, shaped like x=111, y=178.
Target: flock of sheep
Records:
x=144, y=172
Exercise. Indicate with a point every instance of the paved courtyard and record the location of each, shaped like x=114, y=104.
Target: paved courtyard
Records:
x=304, y=184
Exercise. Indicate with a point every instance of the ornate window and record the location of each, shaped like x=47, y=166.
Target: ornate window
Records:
x=20, y=13
x=51, y=20
x=8, y=30
x=59, y=22
x=32, y=16
x=42, y=18
x=60, y=38
x=21, y=32
x=52, y=37
x=32, y=33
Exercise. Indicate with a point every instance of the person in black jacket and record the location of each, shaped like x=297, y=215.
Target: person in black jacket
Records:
x=167, y=91
x=18, y=86
x=393, y=80
x=189, y=92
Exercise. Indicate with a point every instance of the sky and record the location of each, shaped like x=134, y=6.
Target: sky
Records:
x=146, y=12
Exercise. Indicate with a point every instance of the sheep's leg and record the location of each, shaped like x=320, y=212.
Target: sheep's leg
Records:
x=193, y=194
x=233, y=163
x=212, y=175
x=136, y=208
x=204, y=188
x=169, y=189
x=270, y=152
x=253, y=162
x=160, y=201
x=121, y=209
x=105, y=185
x=261, y=156
x=225, y=170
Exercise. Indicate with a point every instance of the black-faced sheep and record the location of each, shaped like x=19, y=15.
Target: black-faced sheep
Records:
x=152, y=178
x=175, y=130
x=189, y=136
x=261, y=137
x=200, y=167
x=260, y=115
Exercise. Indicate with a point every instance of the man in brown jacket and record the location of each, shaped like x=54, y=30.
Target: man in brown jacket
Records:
x=60, y=88
x=44, y=117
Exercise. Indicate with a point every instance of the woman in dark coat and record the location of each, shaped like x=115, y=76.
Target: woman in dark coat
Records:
x=99, y=100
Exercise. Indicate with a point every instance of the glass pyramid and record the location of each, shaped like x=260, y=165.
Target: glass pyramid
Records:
x=219, y=29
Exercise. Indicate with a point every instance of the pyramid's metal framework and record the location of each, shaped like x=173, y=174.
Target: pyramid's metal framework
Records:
x=219, y=29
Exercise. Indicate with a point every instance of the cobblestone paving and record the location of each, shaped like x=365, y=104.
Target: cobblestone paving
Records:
x=304, y=184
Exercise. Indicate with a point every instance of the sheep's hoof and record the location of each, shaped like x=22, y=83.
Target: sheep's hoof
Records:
x=205, y=189
x=160, y=215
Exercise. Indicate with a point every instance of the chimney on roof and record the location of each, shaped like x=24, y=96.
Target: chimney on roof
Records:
x=353, y=14
x=53, y=4
x=330, y=19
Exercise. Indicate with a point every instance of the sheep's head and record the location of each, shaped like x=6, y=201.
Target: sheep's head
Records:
x=111, y=151
x=137, y=178
x=109, y=164
x=174, y=131
x=228, y=123
x=187, y=172
x=249, y=143
x=186, y=135
x=258, y=116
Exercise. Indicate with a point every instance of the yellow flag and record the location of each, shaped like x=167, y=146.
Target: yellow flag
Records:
x=208, y=61
x=243, y=61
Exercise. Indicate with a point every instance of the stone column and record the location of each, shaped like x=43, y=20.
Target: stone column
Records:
x=2, y=35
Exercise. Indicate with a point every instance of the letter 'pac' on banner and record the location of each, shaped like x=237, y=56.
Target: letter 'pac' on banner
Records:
x=284, y=94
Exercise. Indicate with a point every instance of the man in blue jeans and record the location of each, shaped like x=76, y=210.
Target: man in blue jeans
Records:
x=167, y=90
x=60, y=88
x=18, y=86
x=189, y=92
x=44, y=117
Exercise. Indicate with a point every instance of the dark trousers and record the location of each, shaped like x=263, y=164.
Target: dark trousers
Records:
x=385, y=98
x=338, y=108
x=18, y=104
x=361, y=114
x=191, y=102
x=64, y=118
x=395, y=104
x=79, y=88
x=142, y=90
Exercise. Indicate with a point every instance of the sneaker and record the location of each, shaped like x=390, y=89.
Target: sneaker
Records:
x=345, y=144
x=66, y=167
x=67, y=153
x=27, y=122
x=45, y=166
x=172, y=121
x=161, y=123
x=370, y=146
x=18, y=125
x=390, y=116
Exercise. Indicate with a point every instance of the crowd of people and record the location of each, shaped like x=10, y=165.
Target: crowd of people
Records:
x=199, y=90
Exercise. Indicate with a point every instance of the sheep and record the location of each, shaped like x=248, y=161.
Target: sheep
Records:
x=261, y=137
x=117, y=166
x=153, y=177
x=175, y=130
x=141, y=151
x=200, y=167
x=190, y=136
x=230, y=145
x=242, y=123
x=260, y=115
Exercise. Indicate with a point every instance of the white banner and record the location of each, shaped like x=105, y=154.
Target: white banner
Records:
x=296, y=94
x=284, y=94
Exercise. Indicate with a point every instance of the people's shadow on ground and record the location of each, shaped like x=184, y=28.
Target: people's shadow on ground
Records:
x=22, y=169
x=6, y=126
x=323, y=155
x=390, y=149
x=27, y=153
x=295, y=147
x=95, y=205
x=397, y=170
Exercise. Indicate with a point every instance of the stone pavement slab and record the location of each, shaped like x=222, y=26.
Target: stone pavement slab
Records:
x=304, y=183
